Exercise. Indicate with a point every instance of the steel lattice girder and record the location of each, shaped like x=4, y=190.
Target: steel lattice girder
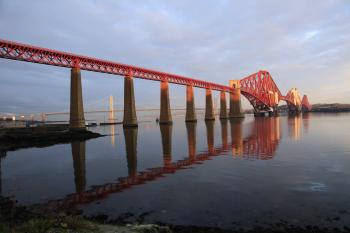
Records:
x=293, y=100
x=305, y=103
x=28, y=53
x=260, y=89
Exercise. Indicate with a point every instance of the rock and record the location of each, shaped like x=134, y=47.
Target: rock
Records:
x=149, y=228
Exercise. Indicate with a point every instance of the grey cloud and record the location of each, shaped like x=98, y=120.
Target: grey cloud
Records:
x=301, y=43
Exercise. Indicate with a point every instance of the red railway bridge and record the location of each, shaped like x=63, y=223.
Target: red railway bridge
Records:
x=259, y=88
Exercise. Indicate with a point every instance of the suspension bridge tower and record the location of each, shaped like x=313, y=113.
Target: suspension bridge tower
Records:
x=111, y=109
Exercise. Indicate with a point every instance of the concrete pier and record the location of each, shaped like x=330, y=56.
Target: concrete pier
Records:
x=273, y=113
x=129, y=118
x=77, y=119
x=165, y=112
x=209, y=111
x=166, y=133
x=191, y=128
x=130, y=135
x=259, y=114
x=78, y=153
x=235, y=100
x=223, y=107
x=190, y=106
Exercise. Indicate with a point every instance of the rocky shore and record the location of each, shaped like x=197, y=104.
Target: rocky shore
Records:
x=16, y=219
x=41, y=136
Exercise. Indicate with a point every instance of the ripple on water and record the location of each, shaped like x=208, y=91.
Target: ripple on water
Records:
x=310, y=187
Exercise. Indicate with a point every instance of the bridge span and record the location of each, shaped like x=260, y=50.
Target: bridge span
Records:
x=259, y=88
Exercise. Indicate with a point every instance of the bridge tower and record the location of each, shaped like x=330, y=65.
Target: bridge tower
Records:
x=111, y=109
x=235, y=99
x=306, y=106
x=293, y=101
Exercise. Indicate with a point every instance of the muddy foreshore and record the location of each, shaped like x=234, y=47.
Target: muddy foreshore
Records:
x=42, y=136
x=19, y=219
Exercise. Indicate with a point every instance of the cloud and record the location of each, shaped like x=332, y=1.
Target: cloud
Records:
x=213, y=40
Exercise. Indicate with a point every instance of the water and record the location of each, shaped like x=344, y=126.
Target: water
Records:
x=223, y=173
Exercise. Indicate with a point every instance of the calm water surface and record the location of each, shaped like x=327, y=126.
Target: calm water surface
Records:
x=217, y=173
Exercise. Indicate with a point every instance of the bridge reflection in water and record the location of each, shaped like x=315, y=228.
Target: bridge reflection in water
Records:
x=130, y=135
x=78, y=153
x=261, y=142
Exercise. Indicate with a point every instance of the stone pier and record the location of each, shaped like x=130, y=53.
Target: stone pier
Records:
x=235, y=100
x=190, y=106
x=223, y=107
x=165, y=112
x=77, y=119
x=129, y=119
x=209, y=111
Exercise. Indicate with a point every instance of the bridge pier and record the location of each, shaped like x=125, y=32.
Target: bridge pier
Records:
x=129, y=118
x=76, y=119
x=223, y=108
x=209, y=111
x=165, y=112
x=235, y=100
x=259, y=114
x=274, y=113
x=190, y=106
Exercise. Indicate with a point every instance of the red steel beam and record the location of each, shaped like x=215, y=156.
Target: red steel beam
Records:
x=23, y=52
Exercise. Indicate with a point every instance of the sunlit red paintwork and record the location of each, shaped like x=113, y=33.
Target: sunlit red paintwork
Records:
x=261, y=91
x=28, y=53
x=305, y=103
x=259, y=88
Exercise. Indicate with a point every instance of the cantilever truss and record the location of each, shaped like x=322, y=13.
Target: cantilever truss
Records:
x=261, y=91
x=305, y=103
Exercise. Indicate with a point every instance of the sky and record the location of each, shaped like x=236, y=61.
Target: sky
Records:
x=303, y=44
